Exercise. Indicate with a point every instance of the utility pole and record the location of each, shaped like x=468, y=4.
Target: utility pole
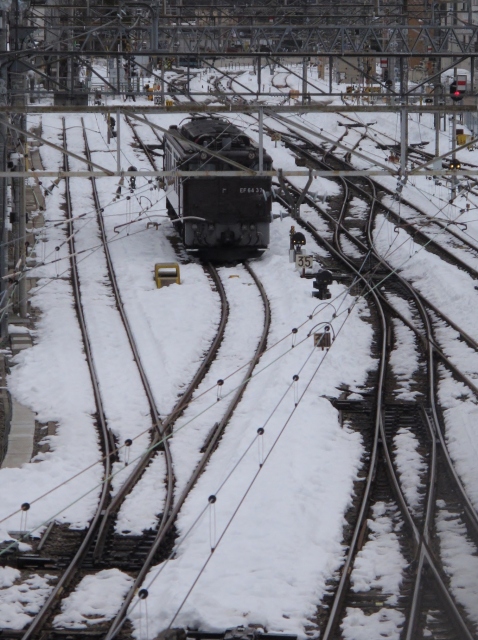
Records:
x=18, y=97
x=118, y=140
x=261, y=139
x=304, y=80
x=403, y=143
x=3, y=185
x=259, y=75
x=454, y=180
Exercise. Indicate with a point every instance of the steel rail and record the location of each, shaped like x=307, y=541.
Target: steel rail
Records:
x=471, y=511
x=106, y=435
x=336, y=607
x=432, y=221
x=164, y=427
x=424, y=549
x=428, y=156
x=427, y=526
x=335, y=610
x=167, y=422
x=424, y=553
x=471, y=342
x=403, y=221
x=160, y=429
x=423, y=556
x=432, y=348
x=420, y=539
x=468, y=339
x=212, y=442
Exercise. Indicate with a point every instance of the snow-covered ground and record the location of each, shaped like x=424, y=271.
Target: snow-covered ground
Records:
x=276, y=525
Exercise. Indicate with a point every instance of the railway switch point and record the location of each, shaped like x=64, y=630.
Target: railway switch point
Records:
x=166, y=273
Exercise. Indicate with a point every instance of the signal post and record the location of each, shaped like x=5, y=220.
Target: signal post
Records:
x=457, y=93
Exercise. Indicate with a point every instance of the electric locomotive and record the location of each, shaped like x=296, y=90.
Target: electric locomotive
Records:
x=222, y=218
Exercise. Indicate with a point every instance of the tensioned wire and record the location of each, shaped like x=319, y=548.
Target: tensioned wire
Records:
x=371, y=288
x=155, y=446
x=309, y=318
x=414, y=186
x=437, y=213
x=6, y=308
x=115, y=201
x=443, y=229
x=376, y=285
x=92, y=212
x=114, y=631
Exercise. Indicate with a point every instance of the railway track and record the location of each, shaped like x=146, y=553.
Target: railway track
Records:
x=429, y=580
x=106, y=438
x=370, y=192
x=93, y=553
x=449, y=618
x=324, y=159
x=162, y=540
x=419, y=156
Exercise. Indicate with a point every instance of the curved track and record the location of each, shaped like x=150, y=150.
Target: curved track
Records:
x=93, y=544
x=210, y=446
x=106, y=436
x=419, y=531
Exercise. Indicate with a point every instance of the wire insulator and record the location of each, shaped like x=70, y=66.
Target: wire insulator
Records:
x=260, y=446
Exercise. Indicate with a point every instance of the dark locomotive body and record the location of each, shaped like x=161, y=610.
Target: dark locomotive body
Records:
x=223, y=218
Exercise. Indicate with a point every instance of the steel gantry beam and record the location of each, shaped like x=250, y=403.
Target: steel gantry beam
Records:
x=381, y=39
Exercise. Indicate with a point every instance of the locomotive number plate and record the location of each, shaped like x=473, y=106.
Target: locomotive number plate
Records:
x=304, y=262
x=250, y=190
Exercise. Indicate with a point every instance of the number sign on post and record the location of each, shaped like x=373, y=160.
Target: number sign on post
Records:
x=304, y=262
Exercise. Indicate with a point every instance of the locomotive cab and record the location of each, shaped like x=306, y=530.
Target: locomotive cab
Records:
x=222, y=217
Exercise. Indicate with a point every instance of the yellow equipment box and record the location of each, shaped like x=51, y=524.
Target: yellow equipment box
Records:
x=166, y=273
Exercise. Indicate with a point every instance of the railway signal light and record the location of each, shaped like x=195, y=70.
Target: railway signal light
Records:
x=455, y=95
x=458, y=88
x=297, y=239
x=455, y=164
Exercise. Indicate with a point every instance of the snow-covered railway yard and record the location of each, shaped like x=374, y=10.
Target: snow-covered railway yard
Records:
x=261, y=537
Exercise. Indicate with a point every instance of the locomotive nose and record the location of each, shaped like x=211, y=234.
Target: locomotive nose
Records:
x=228, y=236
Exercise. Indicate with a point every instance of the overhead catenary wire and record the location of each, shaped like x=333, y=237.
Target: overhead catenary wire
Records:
x=191, y=420
x=117, y=626
x=372, y=287
x=244, y=496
